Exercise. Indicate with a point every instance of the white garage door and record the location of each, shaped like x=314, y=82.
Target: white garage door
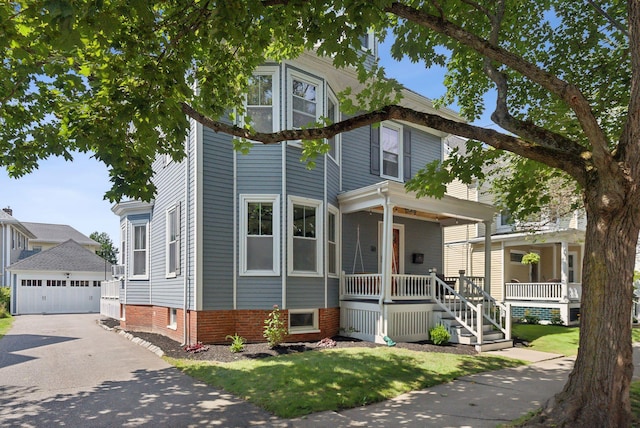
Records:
x=41, y=296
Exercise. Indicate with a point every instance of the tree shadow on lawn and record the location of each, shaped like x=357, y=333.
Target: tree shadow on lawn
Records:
x=299, y=384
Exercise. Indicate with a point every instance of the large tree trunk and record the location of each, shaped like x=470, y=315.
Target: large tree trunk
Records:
x=597, y=392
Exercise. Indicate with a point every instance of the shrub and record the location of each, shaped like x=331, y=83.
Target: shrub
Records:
x=4, y=313
x=439, y=335
x=555, y=317
x=530, y=319
x=274, y=328
x=5, y=299
x=237, y=343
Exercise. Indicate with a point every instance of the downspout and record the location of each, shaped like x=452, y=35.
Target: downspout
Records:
x=185, y=303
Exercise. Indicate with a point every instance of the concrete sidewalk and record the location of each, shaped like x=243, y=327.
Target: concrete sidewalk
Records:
x=480, y=400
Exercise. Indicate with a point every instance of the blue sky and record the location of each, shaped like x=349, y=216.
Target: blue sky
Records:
x=72, y=192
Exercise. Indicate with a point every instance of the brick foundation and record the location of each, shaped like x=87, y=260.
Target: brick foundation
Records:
x=214, y=326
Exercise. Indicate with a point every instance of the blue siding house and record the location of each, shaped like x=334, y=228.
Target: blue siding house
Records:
x=340, y=247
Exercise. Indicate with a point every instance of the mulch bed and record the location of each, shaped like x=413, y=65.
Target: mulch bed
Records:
x=222, y=354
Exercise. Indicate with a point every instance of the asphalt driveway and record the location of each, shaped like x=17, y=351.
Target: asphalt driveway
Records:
x=65, y=370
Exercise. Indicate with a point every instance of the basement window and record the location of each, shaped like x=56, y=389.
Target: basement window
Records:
x=303, y=321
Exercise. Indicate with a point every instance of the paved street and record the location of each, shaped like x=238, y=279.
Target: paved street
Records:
x=66, y=370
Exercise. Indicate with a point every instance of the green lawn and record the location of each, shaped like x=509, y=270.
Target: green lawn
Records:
x=564, y=340
x=295, y=385
x=5, y=325
x=554, y=339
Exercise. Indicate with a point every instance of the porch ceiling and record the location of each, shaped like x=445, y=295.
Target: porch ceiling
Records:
x=448, y=210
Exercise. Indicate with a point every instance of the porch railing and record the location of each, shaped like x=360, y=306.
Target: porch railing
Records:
x=497, y=313
x=403, y=287
x=541, y=291
x=465, y=312
x=366, y=285
x=410, y=287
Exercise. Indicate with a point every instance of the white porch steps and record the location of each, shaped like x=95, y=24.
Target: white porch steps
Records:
x=492, y=339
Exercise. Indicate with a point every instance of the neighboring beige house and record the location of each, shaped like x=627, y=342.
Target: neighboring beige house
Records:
x=14, y=239
x=548, y=289
x=48, y=235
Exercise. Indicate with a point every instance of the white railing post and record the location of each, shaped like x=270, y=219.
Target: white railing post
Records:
x=480, y=323
x=433, y=292
x=462, y=284
x=342, y=285
x=507, y=321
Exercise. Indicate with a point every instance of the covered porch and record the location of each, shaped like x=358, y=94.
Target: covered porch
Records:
x=549, y=289
x=393, y=289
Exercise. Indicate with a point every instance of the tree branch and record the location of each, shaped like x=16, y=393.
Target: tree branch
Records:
x=564, y=90
x=572, y=163
x=609, y=18
x=501, y=115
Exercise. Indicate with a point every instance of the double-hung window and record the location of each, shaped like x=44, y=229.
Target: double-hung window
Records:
x=304, y=100
x=391, y=150
x=333, y=114
x=172, y=251
x=262, y=100
x=260, y=232
x=332, y=240
x=305, y=236
x=139, y=247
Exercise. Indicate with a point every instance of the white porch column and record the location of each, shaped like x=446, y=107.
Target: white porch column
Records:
x=487, y=255
x=564, y=270
x=387, y=255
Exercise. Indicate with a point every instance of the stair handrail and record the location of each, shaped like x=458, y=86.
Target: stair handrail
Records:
x=494, y=311
x=458, y=304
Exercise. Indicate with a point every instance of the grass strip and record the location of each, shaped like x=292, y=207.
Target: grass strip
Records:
x=295, y=385
x=555, y=339
x=5, y=325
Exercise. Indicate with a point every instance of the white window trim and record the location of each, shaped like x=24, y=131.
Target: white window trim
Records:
x=291, y=75
x=305, y=329
x=333, y=210
x=274, y=72
x=244, y=201
x=399, y=129
x=297, y=200
x=174, y=208
x=132, y=238
x=337, y=137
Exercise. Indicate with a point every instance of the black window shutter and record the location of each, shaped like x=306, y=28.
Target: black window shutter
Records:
x=406, y=144
x=375, y=150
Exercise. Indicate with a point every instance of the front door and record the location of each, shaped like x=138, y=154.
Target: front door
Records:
x=397, y=261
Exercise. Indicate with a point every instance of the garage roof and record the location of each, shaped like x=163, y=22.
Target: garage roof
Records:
x=68, y=256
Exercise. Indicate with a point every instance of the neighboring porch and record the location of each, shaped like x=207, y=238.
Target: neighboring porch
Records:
x=393, y=290
x=545, y=300
x=548, y=289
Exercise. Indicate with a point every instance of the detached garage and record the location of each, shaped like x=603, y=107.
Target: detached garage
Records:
x=63, y=279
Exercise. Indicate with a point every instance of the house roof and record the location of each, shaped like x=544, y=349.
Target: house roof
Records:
x=57, y=233
x=6, y=218
x=69, y=256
